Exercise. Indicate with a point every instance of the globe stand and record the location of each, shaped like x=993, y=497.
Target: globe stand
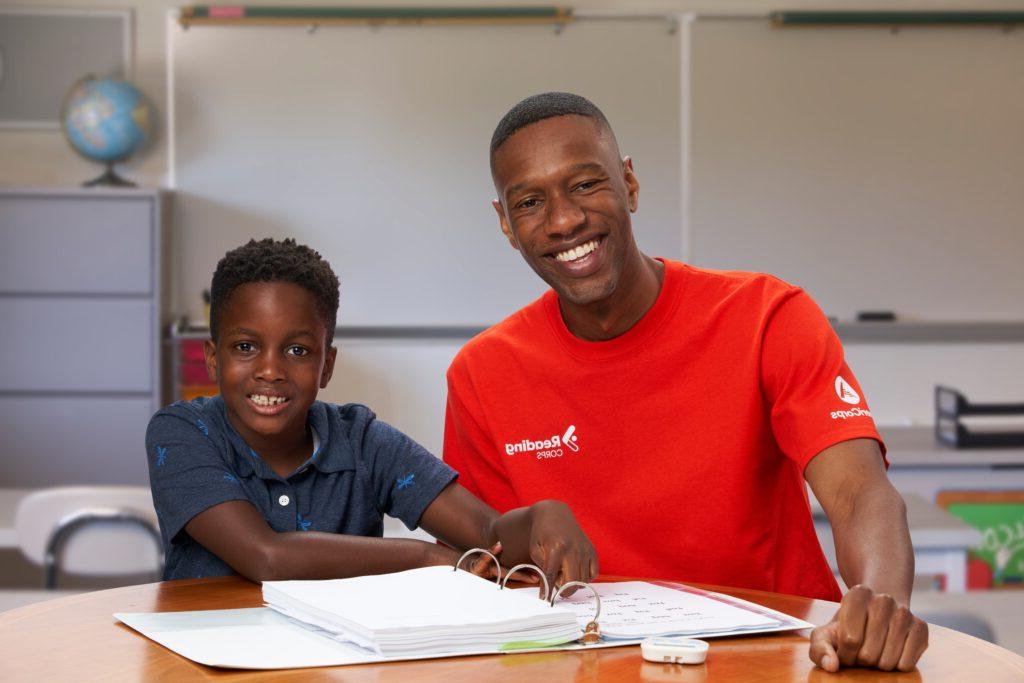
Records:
x=109, y=179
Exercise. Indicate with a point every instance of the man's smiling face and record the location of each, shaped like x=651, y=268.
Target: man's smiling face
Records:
x=270, y=358
x=564, y=201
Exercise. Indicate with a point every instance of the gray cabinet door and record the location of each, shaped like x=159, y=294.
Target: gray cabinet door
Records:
x=64, y=244
x=76, y=344
x=50, y=441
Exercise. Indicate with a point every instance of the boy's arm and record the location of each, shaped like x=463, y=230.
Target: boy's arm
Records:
x=545, y=534
x=235, y=532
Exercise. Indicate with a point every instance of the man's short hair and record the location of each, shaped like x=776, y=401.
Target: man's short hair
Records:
x=544, y=106
x=270, y=260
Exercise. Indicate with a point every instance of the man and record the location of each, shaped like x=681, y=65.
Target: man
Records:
x=677, y=410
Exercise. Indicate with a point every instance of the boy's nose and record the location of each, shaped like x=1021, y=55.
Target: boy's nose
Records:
x=269, y=368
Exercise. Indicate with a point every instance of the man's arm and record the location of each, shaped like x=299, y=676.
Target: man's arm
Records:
x=545, y=533
x=874, y=626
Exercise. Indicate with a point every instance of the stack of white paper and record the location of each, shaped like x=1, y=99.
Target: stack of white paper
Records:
x=637, y=609
x=422, y=612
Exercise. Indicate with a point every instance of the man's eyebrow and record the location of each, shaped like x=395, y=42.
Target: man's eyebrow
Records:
x=575, y=168
x=587, y=166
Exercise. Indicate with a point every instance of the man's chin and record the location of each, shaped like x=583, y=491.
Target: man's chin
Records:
x=585, y=293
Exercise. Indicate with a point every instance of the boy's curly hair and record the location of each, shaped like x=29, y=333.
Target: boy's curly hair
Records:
x=270, y=260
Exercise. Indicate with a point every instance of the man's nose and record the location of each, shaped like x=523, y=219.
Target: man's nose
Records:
x=564, y=215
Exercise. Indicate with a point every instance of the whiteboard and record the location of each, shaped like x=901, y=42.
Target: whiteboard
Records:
x=879, y=170
x=372, y=146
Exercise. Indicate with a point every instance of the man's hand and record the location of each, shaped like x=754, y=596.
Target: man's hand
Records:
x=558, y=545
x=870, y=629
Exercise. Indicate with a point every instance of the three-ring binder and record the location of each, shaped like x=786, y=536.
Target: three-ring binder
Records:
x=592, y=631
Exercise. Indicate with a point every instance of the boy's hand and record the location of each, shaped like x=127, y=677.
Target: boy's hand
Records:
x=558, y=545
x=870, y=629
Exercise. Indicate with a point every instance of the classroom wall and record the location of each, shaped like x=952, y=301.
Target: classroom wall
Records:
x=403, y=380
x=44, y=158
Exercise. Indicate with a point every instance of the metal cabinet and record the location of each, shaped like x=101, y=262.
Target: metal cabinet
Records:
x=80, y=320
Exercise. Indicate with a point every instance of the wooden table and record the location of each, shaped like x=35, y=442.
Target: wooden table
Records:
x=76, y=638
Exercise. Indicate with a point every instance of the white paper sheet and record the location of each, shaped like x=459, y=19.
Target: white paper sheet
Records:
x=638, y=609
x=260, y=638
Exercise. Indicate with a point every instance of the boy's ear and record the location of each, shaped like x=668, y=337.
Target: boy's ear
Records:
x=210, y=352
x=328, y=371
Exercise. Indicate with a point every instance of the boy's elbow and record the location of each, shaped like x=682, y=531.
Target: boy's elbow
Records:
x=263, y=562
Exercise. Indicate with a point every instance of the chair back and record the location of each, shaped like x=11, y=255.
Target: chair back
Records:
x=90, y=530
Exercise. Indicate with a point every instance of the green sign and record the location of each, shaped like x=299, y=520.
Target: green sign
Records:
x=1002, y=537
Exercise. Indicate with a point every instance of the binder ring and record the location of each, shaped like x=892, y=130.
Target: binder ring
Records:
x=489, y=554
x=592, y=633
x=547, y=588
x=581, y=584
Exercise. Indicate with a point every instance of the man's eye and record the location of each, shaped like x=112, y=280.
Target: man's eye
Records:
x=527, y=203
x=586, y=185
x=298, y=351
x=245, y=347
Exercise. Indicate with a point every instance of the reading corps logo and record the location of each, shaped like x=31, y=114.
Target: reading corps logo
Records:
x=550, y=447
x=848, y=394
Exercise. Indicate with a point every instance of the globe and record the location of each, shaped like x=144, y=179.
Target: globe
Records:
x=106, y=120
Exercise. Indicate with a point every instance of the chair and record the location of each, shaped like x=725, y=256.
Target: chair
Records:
x=90, y=530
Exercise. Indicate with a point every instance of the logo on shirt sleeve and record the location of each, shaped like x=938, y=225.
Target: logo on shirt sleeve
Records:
x=846, y=393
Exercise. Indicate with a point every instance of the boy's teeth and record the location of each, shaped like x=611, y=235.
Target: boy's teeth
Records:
x=261, y=400
x=577, y=252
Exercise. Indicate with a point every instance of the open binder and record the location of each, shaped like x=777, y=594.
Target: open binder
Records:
x=441, y=612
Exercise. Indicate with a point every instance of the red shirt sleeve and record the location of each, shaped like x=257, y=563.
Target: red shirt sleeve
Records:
x=814, y=398
x=469, y=448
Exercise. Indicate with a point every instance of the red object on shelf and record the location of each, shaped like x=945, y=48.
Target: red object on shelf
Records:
x=192, y=351
x=979, y=574
x=194, y=373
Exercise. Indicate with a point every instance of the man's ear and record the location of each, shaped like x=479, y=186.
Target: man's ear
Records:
x=503, y=220
x=329, y=358
x=632, y=183
x=210, y=353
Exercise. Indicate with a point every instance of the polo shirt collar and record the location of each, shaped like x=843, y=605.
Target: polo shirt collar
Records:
x=334, y=454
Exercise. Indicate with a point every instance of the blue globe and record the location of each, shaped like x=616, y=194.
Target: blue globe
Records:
x=105, y=120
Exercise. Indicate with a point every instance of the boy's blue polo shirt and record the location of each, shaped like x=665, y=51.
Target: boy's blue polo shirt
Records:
x=362, y=469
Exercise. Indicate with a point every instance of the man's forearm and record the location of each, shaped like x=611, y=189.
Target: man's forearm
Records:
x=873, y=543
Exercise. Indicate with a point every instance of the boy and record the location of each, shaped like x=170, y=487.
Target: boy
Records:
x=268, y=482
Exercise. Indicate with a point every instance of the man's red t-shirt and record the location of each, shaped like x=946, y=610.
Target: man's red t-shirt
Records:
x=680, y=445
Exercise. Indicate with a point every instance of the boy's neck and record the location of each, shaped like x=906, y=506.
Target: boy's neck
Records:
x=283, y=453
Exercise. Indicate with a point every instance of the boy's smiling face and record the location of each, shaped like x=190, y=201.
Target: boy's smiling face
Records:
x=270, y=359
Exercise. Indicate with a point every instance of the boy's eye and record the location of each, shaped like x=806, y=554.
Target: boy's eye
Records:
x=298, y=351
x=245, y=347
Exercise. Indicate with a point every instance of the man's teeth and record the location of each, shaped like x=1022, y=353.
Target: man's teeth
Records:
x=578, y=252
x=261, y=400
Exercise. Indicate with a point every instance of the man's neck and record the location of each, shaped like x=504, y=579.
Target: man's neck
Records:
x=637, y=290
